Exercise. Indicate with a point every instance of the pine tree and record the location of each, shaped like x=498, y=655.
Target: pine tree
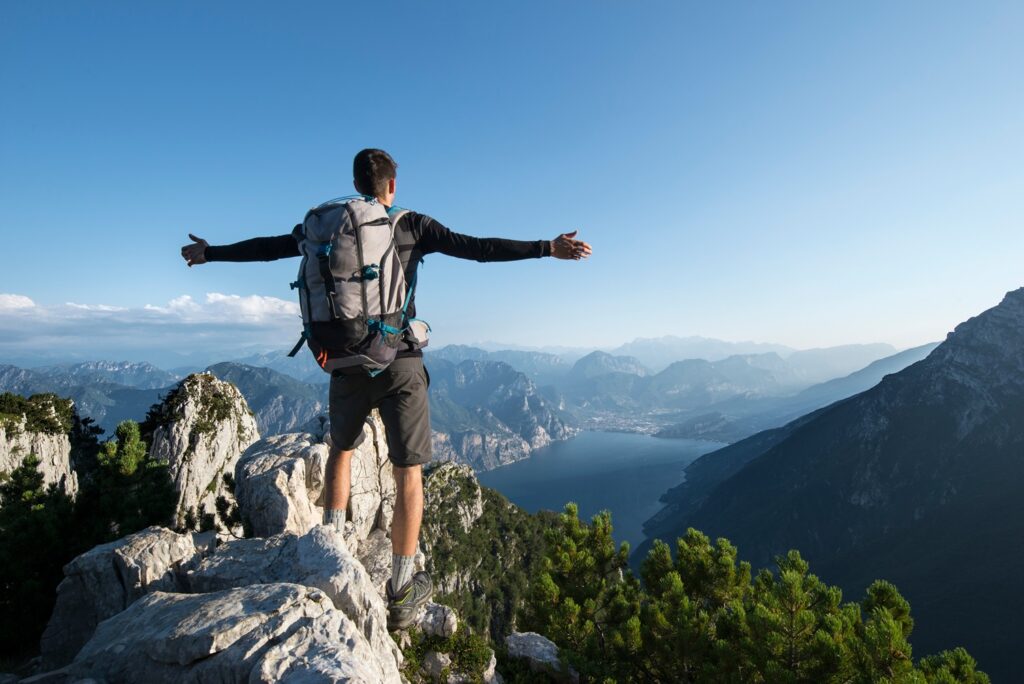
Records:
x=35, y=524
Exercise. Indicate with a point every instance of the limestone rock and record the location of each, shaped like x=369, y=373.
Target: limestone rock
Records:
x=317, y=559
x=53, y=451
x=260, y=633
x=452, y=487
x=372, y=501
x=277, y=482
x=280, y=483
x=437, y=620
x=328, y=649
x=452, y=501
x=435, y=664
x=541, y=654
x=107, y=579
x=202, y=428
x=375, y=555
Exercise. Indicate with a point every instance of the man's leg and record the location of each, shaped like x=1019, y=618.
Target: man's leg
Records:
x=338, y=483
x=405, y=412
x=349, y=406
x=405, y=526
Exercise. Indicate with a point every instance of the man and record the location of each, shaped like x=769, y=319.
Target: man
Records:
x=400, y=392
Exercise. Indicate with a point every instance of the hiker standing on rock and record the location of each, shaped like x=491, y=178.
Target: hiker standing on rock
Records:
x=357, y=294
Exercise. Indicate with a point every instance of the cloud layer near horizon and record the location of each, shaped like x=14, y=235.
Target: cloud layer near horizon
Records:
x=180, y=332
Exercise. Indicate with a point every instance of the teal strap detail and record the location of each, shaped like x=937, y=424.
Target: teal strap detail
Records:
x=380, y=326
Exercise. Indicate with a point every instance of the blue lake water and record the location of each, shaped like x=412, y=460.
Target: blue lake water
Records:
x=621, y=472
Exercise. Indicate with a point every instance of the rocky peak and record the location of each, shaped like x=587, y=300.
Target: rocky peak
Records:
x=200, y=429
x=294, y=602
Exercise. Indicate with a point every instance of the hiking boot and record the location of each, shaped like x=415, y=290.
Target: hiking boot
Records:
x=405, y=603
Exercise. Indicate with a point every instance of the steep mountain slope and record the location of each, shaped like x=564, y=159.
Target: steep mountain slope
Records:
x=917, y=480
x=487, y=413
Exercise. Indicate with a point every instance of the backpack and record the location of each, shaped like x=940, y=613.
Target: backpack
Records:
x=351, y=285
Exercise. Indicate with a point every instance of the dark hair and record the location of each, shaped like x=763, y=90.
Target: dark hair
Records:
x=371, y=170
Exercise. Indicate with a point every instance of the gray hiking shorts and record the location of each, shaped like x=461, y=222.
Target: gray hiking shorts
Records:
x=400, y=393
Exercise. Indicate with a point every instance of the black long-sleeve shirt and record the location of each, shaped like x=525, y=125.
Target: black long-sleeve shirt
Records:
x=416, y=236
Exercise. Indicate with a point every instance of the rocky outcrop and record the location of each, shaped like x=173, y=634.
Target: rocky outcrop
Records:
x=200, y=430
x=260, y=633
x=160, y=606
x=47, y=439
x=107, y=579
x=280, y=481
x=453, y=488
x=53, y=451
x=294, y=605
x=453, y=502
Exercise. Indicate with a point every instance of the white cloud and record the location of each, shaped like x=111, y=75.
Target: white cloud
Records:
x=95, y=307
x=12, y=301
x=218, y=327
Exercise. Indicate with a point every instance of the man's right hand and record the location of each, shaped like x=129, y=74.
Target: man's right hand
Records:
x=196, y=252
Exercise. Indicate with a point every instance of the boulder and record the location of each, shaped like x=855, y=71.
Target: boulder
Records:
x=437, y=620
x=277, y=482
x=317, y=559
x=436, y=665
x=261, y=633
x=541, y=654
x=107, y=579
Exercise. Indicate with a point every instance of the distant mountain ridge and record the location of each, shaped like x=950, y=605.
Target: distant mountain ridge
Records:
x=741, y=417
x=917, y=480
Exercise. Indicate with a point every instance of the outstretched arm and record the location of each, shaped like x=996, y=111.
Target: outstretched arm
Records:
x=434, y=237
x=256, y=249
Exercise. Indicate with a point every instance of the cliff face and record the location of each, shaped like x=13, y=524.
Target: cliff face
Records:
x=38, y=426
x=200, y=430
x=487, y=414
x=916, y=480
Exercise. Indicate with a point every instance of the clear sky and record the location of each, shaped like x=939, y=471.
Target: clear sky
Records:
x=808, y=173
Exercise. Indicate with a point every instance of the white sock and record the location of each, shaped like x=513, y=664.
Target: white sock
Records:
x=401, y=571
x=335, y=517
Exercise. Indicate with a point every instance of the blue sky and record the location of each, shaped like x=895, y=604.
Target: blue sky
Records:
x=803, y=173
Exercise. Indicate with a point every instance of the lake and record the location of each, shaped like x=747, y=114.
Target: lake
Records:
x=625, y=473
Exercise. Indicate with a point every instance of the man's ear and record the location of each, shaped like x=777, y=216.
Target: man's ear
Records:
x=355, y=186
x=391, y=186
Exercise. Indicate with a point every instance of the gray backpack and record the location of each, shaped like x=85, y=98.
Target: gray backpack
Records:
x=352, y=289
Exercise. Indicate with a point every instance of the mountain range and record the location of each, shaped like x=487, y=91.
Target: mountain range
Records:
x=917, y=480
